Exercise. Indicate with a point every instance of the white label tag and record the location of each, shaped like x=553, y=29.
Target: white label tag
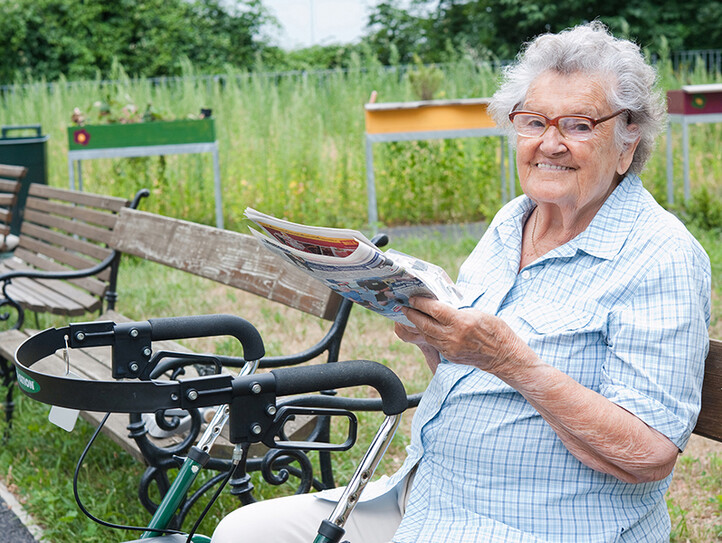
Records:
x=63, y=417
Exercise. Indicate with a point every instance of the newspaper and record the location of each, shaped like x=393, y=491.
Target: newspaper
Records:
x=350, y=264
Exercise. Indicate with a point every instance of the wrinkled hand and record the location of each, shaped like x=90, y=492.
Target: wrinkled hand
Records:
x=466, y=336
x=412, y=335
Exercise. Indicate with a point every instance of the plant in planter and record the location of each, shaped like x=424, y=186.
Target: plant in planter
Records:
x=111, y=125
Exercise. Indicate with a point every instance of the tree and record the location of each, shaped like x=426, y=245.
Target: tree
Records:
x=498, y=28
x=81, y=38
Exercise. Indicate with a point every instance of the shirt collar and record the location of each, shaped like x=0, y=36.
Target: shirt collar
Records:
x=610, y=227
x=605, y=235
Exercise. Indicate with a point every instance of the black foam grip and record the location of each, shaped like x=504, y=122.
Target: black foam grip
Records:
x=210, y=325
x=304, y=379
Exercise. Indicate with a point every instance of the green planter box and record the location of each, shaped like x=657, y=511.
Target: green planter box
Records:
x=110, y=136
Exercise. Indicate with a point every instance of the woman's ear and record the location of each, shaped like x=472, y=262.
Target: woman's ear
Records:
x=627, y=154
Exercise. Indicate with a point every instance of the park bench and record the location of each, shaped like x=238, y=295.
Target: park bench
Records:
x=61, y=263
x=238, y=261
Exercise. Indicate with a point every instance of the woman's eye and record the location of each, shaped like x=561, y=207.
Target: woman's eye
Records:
x=579, y=126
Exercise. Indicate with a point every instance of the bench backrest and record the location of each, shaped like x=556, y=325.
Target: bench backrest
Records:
x=10, y=178
x=65, y=230
x=709, y=423
x=224, y=256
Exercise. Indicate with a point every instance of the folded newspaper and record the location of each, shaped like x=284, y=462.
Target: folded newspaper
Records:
x=353, y=266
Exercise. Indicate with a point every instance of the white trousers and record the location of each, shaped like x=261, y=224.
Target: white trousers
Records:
x=295, y=519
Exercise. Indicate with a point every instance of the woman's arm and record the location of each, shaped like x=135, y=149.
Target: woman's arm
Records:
x=599, y=433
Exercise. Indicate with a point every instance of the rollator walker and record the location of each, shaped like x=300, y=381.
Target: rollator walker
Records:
x=250, y=403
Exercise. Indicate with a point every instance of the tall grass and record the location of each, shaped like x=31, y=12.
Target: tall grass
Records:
x=293, y=145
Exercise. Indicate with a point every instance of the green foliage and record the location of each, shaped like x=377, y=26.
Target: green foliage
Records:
x=704, y=209
x=82, y=38
x=445, y=181
x=425, y=81
x=497, y=28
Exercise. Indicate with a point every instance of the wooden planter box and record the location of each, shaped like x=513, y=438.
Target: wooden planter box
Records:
x=695, y=100
x=109, y=136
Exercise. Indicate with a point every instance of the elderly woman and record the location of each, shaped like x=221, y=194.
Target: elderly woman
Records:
x=568, y=384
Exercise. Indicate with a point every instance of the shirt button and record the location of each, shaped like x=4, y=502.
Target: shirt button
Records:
x=526, y=274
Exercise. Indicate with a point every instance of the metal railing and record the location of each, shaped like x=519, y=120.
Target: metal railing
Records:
x=710, y=58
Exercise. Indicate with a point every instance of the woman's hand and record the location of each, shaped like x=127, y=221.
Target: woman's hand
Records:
x=412, y=335
x=467, y=336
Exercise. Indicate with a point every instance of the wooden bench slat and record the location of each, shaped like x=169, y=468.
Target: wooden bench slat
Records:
x=709, y=423
x=38, y=297
x=72, y=227
x=227, y=257
x=98, y=252
x=110, y=203
x=41, y=262
x=90, y=284
x=9, y=186
x=10, y=177
x=12, y=171
x=72, y=211
x=71, y=259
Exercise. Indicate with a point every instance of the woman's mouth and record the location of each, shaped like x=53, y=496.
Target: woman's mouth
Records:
x=553, y=167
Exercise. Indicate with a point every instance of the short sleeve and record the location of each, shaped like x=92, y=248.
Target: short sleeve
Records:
x=659, y=341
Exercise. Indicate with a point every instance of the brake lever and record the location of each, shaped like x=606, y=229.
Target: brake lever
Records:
x=287, y=413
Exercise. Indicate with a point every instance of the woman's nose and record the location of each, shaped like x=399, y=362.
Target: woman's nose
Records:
x=552, y=141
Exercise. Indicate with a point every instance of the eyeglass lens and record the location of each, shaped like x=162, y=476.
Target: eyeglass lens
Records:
x=532, y=125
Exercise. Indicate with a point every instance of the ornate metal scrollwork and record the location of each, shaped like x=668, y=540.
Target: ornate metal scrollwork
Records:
x=8, y=301
x=276, y=468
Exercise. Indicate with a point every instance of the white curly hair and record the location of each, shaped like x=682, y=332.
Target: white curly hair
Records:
x=590, y=49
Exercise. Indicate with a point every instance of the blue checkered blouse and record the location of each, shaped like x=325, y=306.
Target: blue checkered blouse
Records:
x=623, y=308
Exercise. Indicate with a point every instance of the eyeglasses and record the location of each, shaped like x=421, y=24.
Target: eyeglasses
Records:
x=573, y=127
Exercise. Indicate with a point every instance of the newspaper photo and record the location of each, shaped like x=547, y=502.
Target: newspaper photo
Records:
x=351, y=265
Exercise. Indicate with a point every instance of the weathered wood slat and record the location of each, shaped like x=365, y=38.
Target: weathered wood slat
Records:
x=76, y=212
x=52, y=287
x=110, y=203
x=98, y=252
x=38, y=297
x=10, y=177
x=90, y=284
x=71, y=259
x=230, y=258
x=9, y=186
x=709, y=423
x=12, y=171
x=101, y=235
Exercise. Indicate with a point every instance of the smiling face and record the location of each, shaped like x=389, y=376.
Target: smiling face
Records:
x=576, y=176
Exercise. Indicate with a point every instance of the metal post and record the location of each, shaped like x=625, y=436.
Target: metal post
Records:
x=371, y=187
x=71, y=174
x=363, y=473
x=218, y=192
x=504, y=197
x=685, y=157
x=512, y=170
x=670, y=165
